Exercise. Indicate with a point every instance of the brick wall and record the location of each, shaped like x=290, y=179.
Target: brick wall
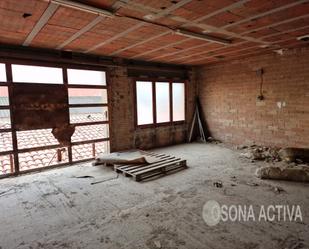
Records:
x=228, y=94
x=123, y=134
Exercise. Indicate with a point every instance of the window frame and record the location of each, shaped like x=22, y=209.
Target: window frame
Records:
x=9, y=83
x=154, y=106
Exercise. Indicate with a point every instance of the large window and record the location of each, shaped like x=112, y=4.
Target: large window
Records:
x=159, y=102
x=30, y=148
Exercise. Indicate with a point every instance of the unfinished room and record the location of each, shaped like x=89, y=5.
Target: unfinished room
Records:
x=147, y=124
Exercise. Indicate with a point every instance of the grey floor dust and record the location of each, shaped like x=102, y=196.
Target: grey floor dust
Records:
x=54, y=209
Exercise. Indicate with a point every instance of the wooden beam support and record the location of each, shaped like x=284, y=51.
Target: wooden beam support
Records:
x=139, y=25
x=82, y=31
x=178, y=52
x=51, y=9
x=219, y=11
x=135, y=27
x=277, y=24
x=157, y=49
x=272, y=11
x=139, y=43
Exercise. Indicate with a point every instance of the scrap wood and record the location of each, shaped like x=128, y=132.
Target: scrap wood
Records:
x=105, y=180
x=126, y=157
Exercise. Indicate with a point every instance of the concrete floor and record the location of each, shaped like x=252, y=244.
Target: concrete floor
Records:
x=54, y=209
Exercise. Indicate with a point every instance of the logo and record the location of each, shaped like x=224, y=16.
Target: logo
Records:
x=213, y=213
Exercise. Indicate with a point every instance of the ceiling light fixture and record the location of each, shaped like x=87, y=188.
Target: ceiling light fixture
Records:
x=203, y=37
x=83, y=7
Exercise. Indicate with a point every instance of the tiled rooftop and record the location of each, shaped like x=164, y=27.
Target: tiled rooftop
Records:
x=39, y=138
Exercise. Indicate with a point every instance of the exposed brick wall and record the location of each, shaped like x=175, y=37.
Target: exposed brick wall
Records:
x=123, y=134
x=228, y=94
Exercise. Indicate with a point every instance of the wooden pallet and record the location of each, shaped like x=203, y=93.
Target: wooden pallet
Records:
x=165, y=164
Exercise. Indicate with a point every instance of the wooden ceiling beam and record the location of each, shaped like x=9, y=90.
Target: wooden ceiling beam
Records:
x=82, y=31
x=277, y=24
x=139, y=25
x=115, y=37
x=261, y=38
x=205, y=52
x=219, y=11
x=205, y=45
x=140, y=43
x=253, y=53
x=271, y=47
x=48, y=13
x=178, y=52
x=285, y=31
x=157, y=49
x=272, y=11
x=223, y=30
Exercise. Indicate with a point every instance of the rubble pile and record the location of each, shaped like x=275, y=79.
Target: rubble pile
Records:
x=292, y=156
x=261, y=153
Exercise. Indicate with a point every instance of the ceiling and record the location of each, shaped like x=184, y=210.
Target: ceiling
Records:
x=145, y=29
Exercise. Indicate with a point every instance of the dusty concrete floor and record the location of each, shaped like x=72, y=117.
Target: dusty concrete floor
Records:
x=53, y=209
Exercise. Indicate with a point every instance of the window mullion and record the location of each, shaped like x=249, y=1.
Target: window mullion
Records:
x=154, y=102
x=171, y=101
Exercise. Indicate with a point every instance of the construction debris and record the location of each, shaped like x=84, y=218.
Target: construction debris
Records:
x=278, y=190
x=297, y=173
x=213, y=140
x=126, y=157
x=297, y=155
x=218, y=184
x=268, y=154
x=255, y=152
x=63, y=134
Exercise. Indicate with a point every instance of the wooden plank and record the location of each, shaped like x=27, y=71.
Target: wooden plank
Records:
x=167, y=163
x=160, y=170
x=144, y=165
x=122, y=167
x=171, y=169
x=152, y=166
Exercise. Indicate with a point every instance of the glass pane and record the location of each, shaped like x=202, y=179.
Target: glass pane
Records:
x=90, y=132
x=144, y=102
x=86, y=77
x=178, y=101
x=102, y=148
x=88, y=114
x=37, y=74
x=163, y=102
x=2, y=72
x=35, y=138
x=5, y=120
x=87, y=96
x=6, y=141
x=42, y=158
x=83, y=151
x=4, y=95
x=89, y=151
x=6, y=164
